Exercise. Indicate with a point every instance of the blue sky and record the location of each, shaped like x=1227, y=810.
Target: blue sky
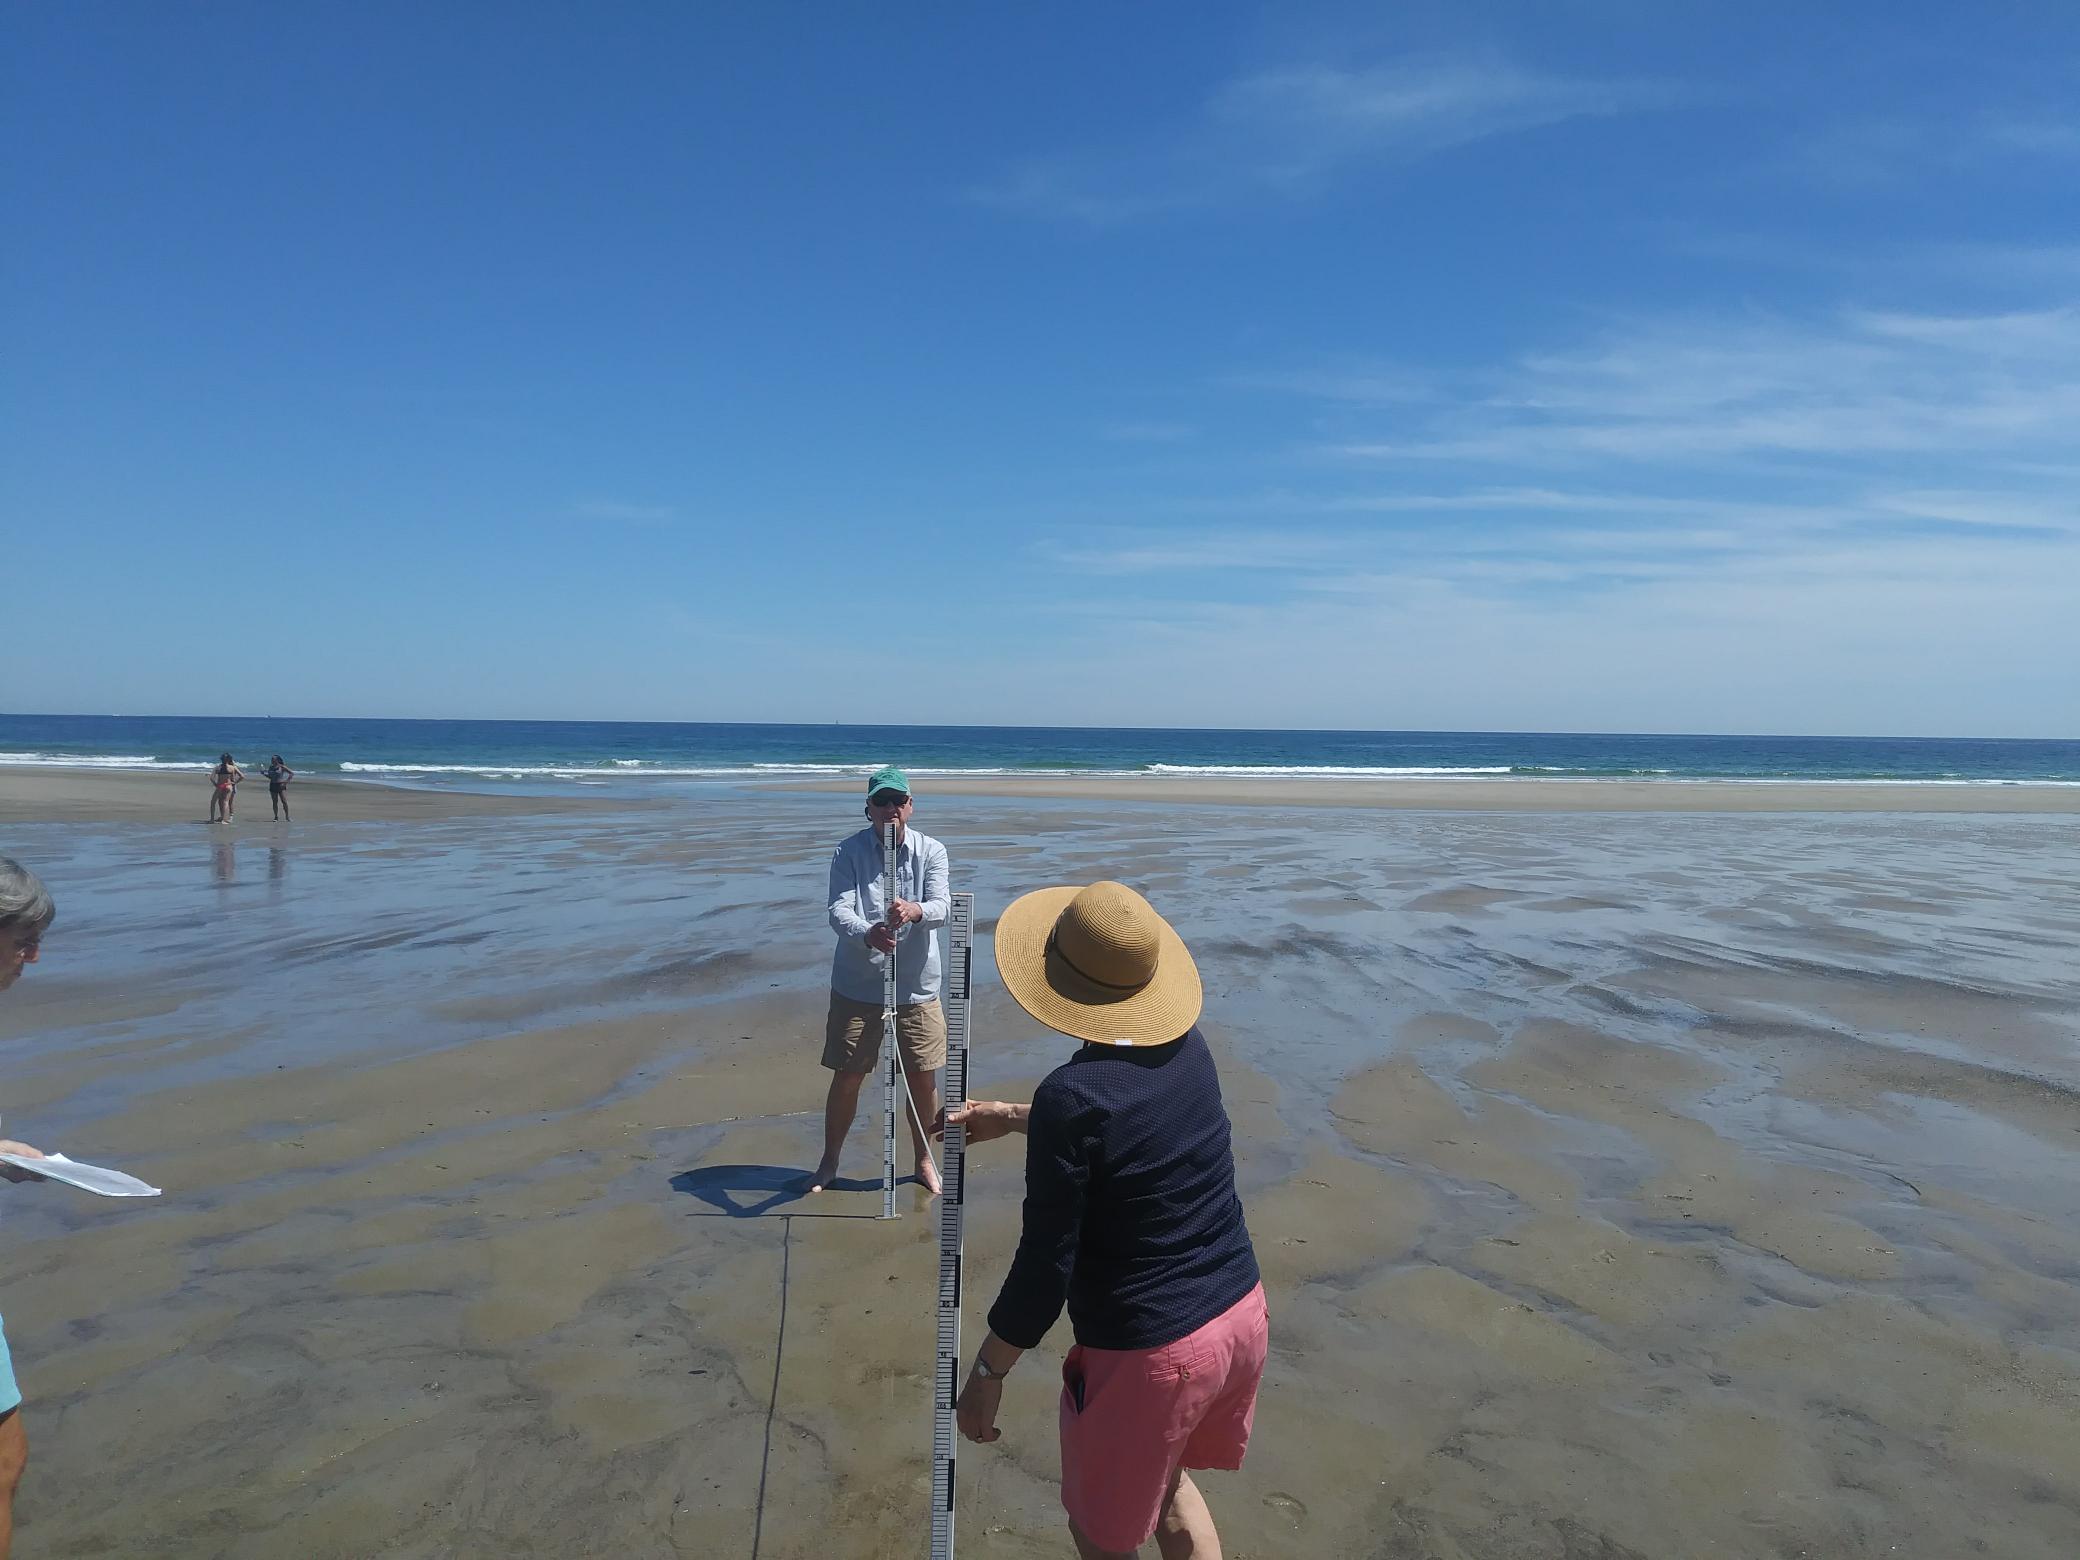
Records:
x=1609, y=366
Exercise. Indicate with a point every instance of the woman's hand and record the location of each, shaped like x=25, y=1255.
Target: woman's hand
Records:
x=983, y=1119
x=976, y=1412
x=15, y=1172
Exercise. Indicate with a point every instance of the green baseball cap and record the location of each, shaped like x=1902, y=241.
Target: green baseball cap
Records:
x=888, y=778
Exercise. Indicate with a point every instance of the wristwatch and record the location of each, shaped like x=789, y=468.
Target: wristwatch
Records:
x=982, y=1369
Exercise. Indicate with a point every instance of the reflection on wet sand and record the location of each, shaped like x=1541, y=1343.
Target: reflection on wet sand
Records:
x=1625, y=1187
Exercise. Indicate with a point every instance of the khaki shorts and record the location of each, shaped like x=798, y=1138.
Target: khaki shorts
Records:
x=852, y=1036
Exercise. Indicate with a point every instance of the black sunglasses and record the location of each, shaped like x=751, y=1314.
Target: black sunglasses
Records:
x=889, y=798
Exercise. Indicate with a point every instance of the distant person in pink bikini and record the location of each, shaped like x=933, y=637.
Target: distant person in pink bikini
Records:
x=1131, y=1215
x=223, y=781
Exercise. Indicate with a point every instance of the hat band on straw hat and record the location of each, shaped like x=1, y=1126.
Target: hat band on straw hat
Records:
x=1050, y=940
x=1054, y=950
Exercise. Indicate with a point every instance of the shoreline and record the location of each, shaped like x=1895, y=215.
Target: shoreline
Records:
x=60, y=795
x=55, y=794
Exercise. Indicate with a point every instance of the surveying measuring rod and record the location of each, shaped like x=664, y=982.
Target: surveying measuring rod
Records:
x=891, y=1066
x=959, y=991
x=953, y=1173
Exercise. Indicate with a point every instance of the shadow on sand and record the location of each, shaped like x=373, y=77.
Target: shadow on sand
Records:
x=754, y=1191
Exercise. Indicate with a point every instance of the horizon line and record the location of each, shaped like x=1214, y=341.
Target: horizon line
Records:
x=1341, y=731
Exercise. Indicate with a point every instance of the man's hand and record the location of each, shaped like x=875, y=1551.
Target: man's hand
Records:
x=976, y=1412
x=983, y=1119
x=881, y=939
x=902, y=912
x=15, y=1172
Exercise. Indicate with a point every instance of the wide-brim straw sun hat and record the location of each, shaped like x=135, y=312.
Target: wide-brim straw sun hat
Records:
x=1098, y=964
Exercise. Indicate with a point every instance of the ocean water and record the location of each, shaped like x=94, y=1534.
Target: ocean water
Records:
x=558, y=754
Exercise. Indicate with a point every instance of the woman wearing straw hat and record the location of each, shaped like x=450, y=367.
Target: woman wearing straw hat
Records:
x=26, y=913
x=1131, y=1216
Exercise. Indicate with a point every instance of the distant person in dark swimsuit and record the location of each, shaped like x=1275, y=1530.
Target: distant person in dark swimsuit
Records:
x=223, y=783
x=279, y=775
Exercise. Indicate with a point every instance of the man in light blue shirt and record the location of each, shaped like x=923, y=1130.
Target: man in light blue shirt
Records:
x=870, y=932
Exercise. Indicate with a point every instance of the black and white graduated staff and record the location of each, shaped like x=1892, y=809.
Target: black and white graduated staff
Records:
x=1131, y=1215
x=869, y=934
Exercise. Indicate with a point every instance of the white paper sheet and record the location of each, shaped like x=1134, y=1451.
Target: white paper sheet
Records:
x=91, y=1178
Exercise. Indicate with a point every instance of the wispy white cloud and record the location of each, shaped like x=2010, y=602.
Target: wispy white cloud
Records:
x=1507, y=543
x=1565, y=501
x=1289, y=133
x=613, y=509
x=1981, y=268
x=1876, y=152
x=2052, y=334
x=1874, y=639
x=1766, y=521
x=1361, y=385
x=1149, y=432
x=2001, y=510
x=1140, y=550
x=1845, y=388
x=2040, y=136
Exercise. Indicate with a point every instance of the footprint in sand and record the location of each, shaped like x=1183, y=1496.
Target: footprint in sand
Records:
x=1294, y=1511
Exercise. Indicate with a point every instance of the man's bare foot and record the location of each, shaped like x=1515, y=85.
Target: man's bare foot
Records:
x=825, y=1174
x=928, y=1177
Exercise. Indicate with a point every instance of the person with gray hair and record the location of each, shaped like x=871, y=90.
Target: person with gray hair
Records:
x=26, y=913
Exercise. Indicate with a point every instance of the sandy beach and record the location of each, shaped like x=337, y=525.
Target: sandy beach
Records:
x=1631, y=1181
x=59, y=794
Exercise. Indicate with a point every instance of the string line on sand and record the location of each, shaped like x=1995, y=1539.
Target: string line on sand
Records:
x=765, y=1459
x=909, y=1099
x=723, y=1121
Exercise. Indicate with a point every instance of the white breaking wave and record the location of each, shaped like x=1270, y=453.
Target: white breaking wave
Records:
x=1331, y=771
x=1859, y=780
x=639, y=769
x=522, y=771
x=93, y=761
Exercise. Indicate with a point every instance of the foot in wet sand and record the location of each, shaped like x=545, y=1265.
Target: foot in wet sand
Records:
x=928, y=1177
x=824, y=1174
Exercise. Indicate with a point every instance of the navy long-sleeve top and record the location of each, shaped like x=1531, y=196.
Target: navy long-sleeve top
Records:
x=1131, y=1212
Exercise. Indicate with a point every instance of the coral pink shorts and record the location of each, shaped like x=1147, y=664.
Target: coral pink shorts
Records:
x=1132, y=1417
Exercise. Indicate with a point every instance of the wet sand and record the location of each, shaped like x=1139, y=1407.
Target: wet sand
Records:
x=60, y=795
x=1520, y=794
x=1626, y=1187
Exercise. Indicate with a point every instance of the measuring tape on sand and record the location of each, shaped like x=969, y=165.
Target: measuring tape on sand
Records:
x=891, y=1064
x=953, y=1173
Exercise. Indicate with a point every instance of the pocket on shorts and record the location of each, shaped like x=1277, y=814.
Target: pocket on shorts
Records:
x=1180, y=1361
x=1073, y=1383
